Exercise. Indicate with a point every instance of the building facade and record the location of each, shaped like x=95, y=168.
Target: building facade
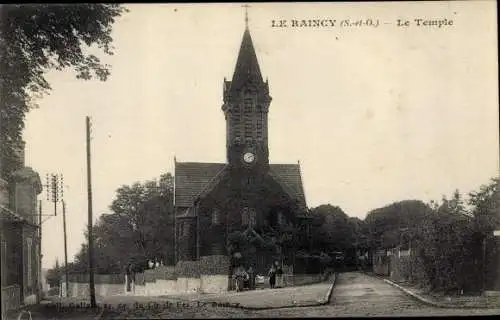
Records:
x=247, y=195
x=19, y=237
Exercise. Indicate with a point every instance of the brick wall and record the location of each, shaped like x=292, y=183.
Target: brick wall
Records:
x=187, y=269
x=214, y=265
x=160, y=273
x=186, y=236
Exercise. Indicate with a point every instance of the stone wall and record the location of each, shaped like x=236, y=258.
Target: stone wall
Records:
x=208, y=275
x=79, y=289
x=213, y=283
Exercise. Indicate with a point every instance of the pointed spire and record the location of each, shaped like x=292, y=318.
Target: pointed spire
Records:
x=247, y=67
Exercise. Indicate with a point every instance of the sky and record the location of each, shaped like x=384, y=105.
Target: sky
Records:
x=374, y=115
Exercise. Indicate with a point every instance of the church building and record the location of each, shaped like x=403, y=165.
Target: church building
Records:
x=247, y=195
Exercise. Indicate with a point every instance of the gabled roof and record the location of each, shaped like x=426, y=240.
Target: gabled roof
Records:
x=289, y=177
x=193, y=178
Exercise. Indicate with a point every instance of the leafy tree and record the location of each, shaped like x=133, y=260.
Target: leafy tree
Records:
x=35, y=38
x=485, y=205
x=140, y=228
x=54, y=275
x=448, y=243
x=386, y=224
x=331, y=229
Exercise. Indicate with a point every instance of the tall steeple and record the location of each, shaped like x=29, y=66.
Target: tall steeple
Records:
x=246, y=104
x=247, y=70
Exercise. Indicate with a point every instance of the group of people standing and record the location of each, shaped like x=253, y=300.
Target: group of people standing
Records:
x=276, y=276
x=152, y=264
x=244, y=278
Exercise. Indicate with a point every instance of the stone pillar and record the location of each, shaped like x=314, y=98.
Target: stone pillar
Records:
x=493, y=266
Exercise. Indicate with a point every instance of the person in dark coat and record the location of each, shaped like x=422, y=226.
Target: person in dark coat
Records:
x=279, y=275
x=272, y=277
x=251, y=278
x=127, y=278
x=131, y=277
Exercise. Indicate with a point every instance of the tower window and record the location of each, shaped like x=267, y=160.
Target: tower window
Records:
x=244, y=217
x=249, y=217
x=216, y=217
x=281, y=219
x=252, y=218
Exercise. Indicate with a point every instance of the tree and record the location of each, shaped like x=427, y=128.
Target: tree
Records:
x=140, y=227
x=385, y=225
x=448, y=243
x=331, y=229
x=36, y=38
x=54, y=275
x=485, y=205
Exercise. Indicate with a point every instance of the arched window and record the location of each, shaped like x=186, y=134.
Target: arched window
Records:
x=215, y=217
x=281, y=219
x=252, y=218
x=249, y=217
x=244, y=216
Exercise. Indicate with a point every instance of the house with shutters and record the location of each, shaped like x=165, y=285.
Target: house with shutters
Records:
x=246, y=194
x=19, y=235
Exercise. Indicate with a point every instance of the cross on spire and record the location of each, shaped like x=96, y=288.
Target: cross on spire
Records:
x=246, y=6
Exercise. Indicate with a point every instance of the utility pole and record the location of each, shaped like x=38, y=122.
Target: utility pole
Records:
x=40, y=276
x=40, y=254
x=89, y=197
x=54, y=188
x=65, y=248
x=483, y=285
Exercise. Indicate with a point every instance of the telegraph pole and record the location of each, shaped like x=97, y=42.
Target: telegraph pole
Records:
x=89, y=197
x=65, y=248
x=54, y=188
x=40, y=276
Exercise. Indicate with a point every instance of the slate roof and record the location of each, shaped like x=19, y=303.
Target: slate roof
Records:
x=247, y=67
x=192, y=178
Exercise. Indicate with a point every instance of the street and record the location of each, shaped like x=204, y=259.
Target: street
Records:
x=354, y=294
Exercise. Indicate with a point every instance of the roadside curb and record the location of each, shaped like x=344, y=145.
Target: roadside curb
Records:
x=430, y=302
x=330, y=290
x=322, y=302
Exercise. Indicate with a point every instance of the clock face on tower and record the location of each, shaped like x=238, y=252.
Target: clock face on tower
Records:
x=249, y=157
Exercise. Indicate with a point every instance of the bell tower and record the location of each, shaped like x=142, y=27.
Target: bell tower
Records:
x=246, y=105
